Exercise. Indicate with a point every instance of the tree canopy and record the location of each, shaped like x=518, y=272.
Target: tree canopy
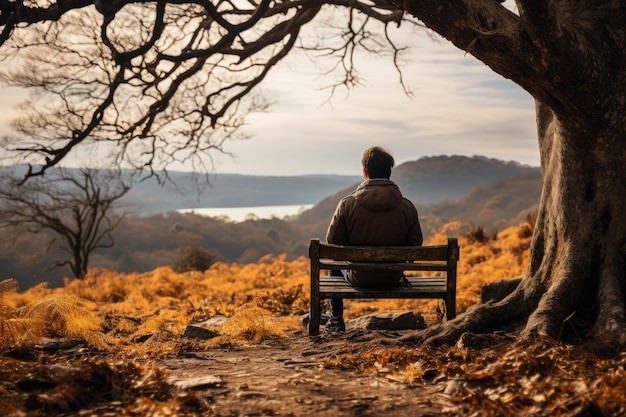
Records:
x=167, y=81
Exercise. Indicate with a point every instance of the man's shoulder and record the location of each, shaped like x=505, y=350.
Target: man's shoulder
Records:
x=347, y=199
x=409, y=204
x=344, y=203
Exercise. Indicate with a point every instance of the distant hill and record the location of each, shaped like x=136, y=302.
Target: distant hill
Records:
x=481, y=191
x=434, y=179
x=428, y=181
x=494, y=206
x=184, y=190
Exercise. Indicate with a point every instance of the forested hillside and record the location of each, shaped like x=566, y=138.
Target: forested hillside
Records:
x=494, y=206
x=145, y=242
x=434, y=179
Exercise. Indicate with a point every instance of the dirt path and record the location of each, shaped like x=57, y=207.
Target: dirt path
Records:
x=288, y=378
x=293, y=377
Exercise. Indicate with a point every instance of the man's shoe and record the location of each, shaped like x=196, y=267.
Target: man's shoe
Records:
x=335, y=324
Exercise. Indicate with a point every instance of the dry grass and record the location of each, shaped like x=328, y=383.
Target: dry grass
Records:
x=263, y=299
x=63, y=316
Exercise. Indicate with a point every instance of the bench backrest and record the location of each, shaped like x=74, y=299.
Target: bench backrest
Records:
x=418, y=258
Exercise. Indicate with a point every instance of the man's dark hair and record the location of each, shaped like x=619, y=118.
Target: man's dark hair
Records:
x=377, y=162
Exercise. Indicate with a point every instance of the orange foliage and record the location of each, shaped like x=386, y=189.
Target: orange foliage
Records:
x=160, y=301
x=480, y=263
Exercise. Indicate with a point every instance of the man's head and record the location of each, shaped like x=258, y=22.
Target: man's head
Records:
x=377, y=163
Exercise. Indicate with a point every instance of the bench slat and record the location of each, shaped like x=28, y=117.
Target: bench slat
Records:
x=328, y=280
x=434, y=287
x=390, y=294
x=415, y=266
x=416, y=288
x=384, y=253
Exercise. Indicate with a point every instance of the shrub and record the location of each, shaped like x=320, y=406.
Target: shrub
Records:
x=478, y=235
x=193, y=258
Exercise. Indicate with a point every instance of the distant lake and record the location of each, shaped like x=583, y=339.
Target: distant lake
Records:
x=239, y=214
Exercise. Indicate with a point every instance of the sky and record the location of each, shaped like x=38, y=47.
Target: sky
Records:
x=459, y=107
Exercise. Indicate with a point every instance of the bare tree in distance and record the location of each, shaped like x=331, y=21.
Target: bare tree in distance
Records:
x=570, y=55
x=79, y=208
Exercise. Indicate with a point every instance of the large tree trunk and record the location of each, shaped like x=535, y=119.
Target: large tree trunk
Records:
x=570, y=57
x=577, y=253
x=577, y=260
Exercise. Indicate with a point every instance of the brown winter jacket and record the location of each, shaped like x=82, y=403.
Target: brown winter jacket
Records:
x=376, y=214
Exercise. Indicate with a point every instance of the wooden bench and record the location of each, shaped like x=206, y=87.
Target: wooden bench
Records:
x=325, y=257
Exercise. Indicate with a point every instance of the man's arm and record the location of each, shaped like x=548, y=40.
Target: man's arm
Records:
x=415, y=237
x=337, y=232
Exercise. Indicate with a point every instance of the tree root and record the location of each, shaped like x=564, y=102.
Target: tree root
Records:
x=509, y=301
x=610, y=324
x=475, y=319
x=498, y=290
x=506, y=302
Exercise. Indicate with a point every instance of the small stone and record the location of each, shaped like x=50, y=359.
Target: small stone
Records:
x=208, y=381
x=194, y=331
x=389, y=321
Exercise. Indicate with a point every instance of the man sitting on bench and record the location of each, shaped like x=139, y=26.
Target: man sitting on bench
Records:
x=375, y=214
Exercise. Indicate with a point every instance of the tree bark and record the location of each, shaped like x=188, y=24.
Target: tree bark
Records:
x=577, y=253
x=570, y=58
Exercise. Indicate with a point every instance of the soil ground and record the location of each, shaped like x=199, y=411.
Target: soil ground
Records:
x=288, y=377
x=336, y=375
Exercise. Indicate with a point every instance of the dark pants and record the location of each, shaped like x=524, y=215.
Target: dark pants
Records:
x=336, y=303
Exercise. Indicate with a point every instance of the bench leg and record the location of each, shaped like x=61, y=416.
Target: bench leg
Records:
x=314, y=317
x=450, y=306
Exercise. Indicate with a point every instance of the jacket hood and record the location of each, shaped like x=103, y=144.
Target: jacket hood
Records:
x=378, y=194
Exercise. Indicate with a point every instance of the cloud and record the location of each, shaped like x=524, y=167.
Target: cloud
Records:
x=459, y=107
x=9, y=98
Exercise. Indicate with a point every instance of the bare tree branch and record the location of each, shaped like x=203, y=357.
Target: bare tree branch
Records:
x=163, y=81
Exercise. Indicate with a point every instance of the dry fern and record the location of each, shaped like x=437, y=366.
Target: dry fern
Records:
x=169, y=320
x=15, y=331
x=8, y=285
x=65, y=316
x=254, y=324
